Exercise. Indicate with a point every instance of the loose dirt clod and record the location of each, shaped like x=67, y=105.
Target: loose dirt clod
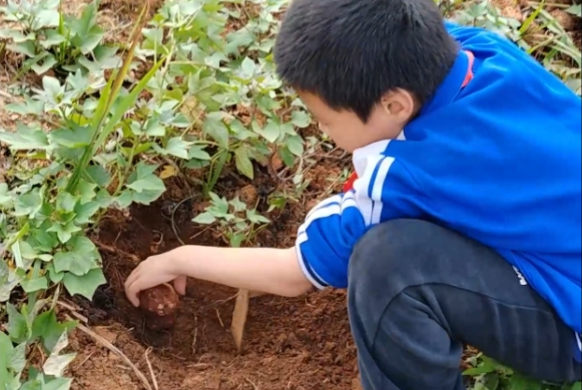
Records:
x=159, y=305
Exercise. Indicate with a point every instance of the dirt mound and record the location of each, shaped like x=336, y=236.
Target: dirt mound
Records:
x=301, y=344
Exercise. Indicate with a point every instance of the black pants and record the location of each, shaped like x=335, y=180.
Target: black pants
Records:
x=417, y=292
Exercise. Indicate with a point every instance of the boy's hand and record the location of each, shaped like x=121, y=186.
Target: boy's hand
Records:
x=155, y=270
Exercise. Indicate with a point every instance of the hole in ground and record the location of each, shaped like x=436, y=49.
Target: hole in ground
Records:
x=302, y=343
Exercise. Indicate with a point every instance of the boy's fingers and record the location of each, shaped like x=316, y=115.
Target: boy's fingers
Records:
x=132, y=288
x=180, y=285
x=132, y=277
x=131, y=293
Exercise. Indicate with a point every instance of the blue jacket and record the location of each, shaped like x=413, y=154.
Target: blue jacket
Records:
x=498, y=160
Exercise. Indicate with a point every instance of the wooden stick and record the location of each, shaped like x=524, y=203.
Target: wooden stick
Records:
x=239, y=317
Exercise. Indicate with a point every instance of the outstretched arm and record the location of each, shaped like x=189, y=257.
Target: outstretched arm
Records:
x=269, y=270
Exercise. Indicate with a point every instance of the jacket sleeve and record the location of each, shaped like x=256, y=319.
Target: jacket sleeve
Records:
x=326, y=239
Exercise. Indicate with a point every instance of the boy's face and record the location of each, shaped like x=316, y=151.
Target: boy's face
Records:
x=348, y=131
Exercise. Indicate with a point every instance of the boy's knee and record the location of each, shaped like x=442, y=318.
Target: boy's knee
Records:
x=391, y=253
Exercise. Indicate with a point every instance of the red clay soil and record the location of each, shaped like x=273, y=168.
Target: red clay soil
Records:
x=289, y=344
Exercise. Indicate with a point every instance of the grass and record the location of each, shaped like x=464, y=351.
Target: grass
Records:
x=115, y=148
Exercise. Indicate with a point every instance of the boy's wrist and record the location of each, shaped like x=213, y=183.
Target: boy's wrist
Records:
x=181, y=259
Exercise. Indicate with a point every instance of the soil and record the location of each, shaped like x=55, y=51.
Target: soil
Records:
x=300, y=344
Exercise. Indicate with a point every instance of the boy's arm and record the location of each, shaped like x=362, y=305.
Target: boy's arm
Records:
x=269, y=270
x=384, y=190
x=324, y=245
x=274, y=271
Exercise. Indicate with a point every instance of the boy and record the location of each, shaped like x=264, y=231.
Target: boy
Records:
x=463, y=223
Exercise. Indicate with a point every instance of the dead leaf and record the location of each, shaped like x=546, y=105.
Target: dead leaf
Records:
x=167, y=172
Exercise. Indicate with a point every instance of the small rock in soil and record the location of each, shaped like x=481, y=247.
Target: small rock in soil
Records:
x=248, y=194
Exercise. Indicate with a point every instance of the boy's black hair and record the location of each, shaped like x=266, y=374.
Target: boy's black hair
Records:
x=351, y=52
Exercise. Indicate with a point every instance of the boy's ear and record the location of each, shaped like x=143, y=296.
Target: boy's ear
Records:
x=399, y=104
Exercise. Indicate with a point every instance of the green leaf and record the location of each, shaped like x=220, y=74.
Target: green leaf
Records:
x=25, y=138
x=49, y=329
x=492, y=380
x=271, y=131
x=216, y=128
x=178, y=147
x=197, y=152
x=29, y=106
x=205, y=218
x=52, y=38
x=54, y=276
x=300, y=119
x=23, y=254
x=46, y=18
x=576, y=9
x=47, y=63
x=146, y=197
x=17, y=359
x=8, y=280
x=5, y=197
x=87, y=33
x=6, y=349
x=153, y=128
x=243, y=37
x=577, y=386
x=33, y=285
x=33, y=384
x=254, y=217
x=243, y=162
x=84, y=285
x=90, y=42
x=52, y=86
x=520, y=382
x=98, y=175
x=143, y=179
x=75, y=137
x=64, y=231
x=29, y=204
x=86, y=191
x=58, y=384
x=248, y=68
x=66, y=202
x=79, y=259
x=486, y=366
x=27, y=48
x=295, y=145
x=84, y=212
x=17, y=326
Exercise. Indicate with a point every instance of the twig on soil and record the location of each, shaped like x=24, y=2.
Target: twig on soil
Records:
x=200, y=232
x=83, y=362
x=161, y=239
x=151, y=369
x=73, y=311
x=225, y=300
x=174, y=227
x=119, y=353
x=219, y=319
x=252, y=383
x=5, y=94
x=195, y=336
x=118, y=251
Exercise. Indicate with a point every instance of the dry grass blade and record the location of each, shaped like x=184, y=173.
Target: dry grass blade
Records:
x=151, y=368
x=128, y=57
x=120, y=354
